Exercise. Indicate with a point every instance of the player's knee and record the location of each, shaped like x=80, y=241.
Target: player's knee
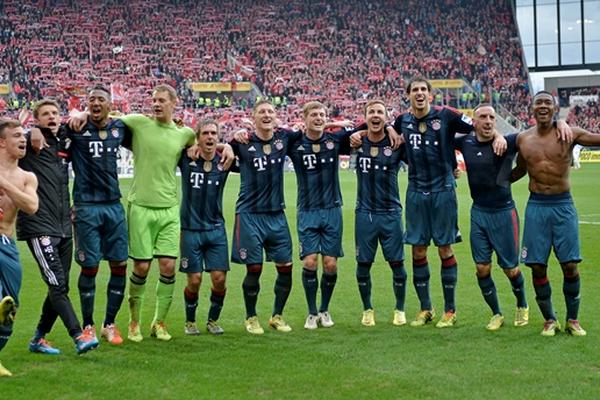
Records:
x=419, y=252
x=330, y=265
x=445, y=251
x=284, y=268
x=118, y=269
x=166, y=265
x=218, y=280
x=512, y=273
x=483, y=270
x=569, y=269
x=89, y=272
x=255, y=269
x=141, y=268
x=194, y=280
x=539, y=271
x=310, y=262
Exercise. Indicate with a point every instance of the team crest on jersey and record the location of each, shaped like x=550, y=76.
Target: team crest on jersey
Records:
x=115, y=133
x=243, y=254
x=436, y=124
x=387, y=151
x=316, y=148
x=524, y=253
x=103, y=134
x=219, y=167
x=329, y=144
x=184, y=263
x=207, y=167
x=81, y=255
x=279, y=144
x=374, y=151
x=422, y=127
x=267, y=149
x=45, y=241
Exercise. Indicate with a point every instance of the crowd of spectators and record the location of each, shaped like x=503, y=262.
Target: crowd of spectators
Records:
x=585, y=112
x=340, y=52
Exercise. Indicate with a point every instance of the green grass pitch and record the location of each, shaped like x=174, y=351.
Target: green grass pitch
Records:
x=346, y=361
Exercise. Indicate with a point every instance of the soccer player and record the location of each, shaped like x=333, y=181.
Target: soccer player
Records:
x=260, y=221
x=203, y=236
x=17, y=192
x=431, y=207
x=48, y=232
x=379, y=212
x=319, y=220
x=494, y=218
x=153, y=209
x=550, y=217
x=98, y=216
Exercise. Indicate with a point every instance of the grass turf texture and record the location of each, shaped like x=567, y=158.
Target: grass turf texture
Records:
x=346, y=361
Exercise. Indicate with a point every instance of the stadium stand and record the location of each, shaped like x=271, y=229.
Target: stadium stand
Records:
x=340, y=52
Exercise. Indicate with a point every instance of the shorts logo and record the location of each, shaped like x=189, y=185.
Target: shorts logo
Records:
x=524, y=253
x=45, y=241
x=81, y=255
x=184, y=263
x=357, y=251
x=329, y=144
x=436, y=124
x=243, y=254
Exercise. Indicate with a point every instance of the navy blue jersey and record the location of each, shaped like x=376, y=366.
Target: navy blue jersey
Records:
x=488, y=174
x=430, y=149
x=202, y=185
x=93, y=153
x=261, y=171
x=377, y=168
x=317, y=173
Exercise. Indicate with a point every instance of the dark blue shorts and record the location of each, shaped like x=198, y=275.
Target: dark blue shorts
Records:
x=11, y=274
x=255, y=231
x=371, y=229
x=432, y=216
x=203, y=251
x=320, y=231
x=495, y=230
x=550, y=223
x=100, y=234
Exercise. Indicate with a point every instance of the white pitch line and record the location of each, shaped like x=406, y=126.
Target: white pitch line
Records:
x=589, y=223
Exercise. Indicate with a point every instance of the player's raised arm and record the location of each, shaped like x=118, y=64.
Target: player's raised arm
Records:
x=585, y=138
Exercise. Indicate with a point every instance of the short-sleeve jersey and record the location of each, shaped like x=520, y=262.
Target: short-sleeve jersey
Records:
x=202, y=185
x=487, y=173
x=430, y=147
x=377, y=168
x=93, y=153
x=156, y=150
x=261, y=171
x=317, y=173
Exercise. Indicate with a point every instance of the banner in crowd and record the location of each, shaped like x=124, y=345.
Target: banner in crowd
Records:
x=220, y=86
x=4, y=89
x=447, y=83
x=582, y=100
